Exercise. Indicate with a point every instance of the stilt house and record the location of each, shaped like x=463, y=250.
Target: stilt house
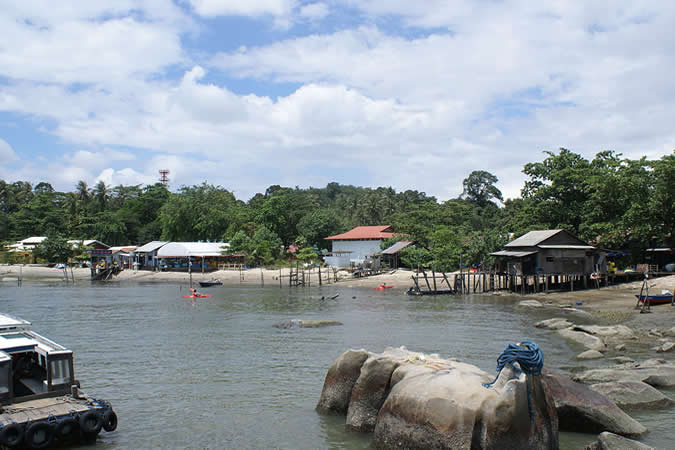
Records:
x=551, y=252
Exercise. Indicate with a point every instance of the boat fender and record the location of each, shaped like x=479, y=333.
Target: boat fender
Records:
x=595, y=276
x=39, y=435
x=67, y=428
x=11, y=435
x=110, y=420
x=91, y=422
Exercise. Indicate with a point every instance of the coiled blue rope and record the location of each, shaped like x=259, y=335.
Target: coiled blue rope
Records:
x=527, y=354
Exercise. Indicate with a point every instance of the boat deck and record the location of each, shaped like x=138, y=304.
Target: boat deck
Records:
x=43, y=409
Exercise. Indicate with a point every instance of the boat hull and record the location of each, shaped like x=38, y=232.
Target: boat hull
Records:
x=655, y=299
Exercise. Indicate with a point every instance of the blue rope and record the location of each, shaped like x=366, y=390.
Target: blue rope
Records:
x=527, y=354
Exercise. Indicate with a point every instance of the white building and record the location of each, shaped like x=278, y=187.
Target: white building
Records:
x=356, y=245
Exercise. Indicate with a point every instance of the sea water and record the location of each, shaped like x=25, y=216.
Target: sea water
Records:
x=217, y=373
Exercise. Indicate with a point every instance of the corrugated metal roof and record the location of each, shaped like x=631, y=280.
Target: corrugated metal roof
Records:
x=85, y=242
x=532, y=238
x=572, y=247
x=397, y=247
x=151, y=246
x=184, y=249
x=370, y=232
x=33, y=240
x=512, y=253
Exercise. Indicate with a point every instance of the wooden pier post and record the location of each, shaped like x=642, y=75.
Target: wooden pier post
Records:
x=320, y=275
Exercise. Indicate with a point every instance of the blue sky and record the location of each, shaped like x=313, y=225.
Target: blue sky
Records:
x=302, y=93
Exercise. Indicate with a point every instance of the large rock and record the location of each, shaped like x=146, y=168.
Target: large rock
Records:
x=582, y=338
x=530, y=304
x=590, y=354
x=611, y=441
x=417, y=401
x=557, y=323
x=370, y=392
x=633, y=394
x=339, y=382
x=450, y=408
x=654, y=372
x=297, y=323
x=613, y=331
x=581, y=409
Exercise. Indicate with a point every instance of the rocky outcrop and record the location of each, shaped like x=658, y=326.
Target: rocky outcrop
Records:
x=413, y=400
x=339, y=382
x=590, y=354
x=633, y=394
x=556, y=323
x=582, y=338
x=530, y=304
x=655, y=372
x=297, y=323
x=611, y=441
x=581, y=409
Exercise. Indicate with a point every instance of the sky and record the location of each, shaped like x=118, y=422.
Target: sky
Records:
x=248, y=94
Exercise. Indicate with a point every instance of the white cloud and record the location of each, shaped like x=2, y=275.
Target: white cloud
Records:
x=211, y=8
x=6, y=152
x=314, y=11
x=126, y=177
x=94, y=43
x=494, y=87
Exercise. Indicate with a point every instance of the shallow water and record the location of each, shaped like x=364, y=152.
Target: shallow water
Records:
x=216, y=372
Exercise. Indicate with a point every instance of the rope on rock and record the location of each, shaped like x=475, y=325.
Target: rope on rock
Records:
x=527, y=354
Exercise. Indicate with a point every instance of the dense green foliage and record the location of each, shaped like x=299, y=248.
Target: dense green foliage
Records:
x=610, y=201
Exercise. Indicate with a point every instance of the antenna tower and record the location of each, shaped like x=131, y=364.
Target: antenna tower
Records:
x=163, y=178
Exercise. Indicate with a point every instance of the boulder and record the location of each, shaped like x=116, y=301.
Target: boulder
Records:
x=370, y=392
x=339, y=382
x=614, y=331
x=590, y=354
x=583, y=338
x=633, y=394
x=530, y=304
x=297, y=323
x=556, y=323
x=666, y=347
x=622, y=359
x=611, y=441
x=414, y=400
x=670, y=332
x=581, y=409
x=620, y=348
x=450, y=408
x=654, y=372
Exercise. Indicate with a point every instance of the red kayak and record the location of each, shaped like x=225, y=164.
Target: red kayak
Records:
x=384, y=286
x=197, y=296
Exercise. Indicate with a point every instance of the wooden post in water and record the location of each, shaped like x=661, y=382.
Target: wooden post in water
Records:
x=279, y=277
x=190, y=270
x=320, y=275
x=20, y=280
x=433, y=273
x=262, y=279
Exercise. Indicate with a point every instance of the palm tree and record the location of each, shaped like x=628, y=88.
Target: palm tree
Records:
x=101, y=193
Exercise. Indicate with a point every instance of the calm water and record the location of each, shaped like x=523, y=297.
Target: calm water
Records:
x=217, y=373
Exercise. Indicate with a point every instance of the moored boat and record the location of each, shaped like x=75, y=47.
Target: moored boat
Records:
x=655, y=299
x=210, y=283
x=40, y=400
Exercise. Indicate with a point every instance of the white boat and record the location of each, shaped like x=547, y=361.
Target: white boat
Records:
x=40, y=400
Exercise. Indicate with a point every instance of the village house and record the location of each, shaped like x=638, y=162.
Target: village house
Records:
x=550, y=252
x=356, y=245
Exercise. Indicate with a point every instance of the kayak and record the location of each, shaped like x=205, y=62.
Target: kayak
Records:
x=383, y=286
x=197, y=296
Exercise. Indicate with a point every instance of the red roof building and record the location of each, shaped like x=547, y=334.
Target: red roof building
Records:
x=356, y=245
x=378, y=232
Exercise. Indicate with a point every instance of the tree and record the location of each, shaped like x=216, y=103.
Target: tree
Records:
x=319, y=224
x=479, y=188
x=54, y=249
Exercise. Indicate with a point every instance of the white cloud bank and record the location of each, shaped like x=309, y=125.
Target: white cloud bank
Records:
x=486, y=88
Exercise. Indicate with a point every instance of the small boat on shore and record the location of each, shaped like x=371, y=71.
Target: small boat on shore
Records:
x=655, y=299
x=41, y=404
x=205, y=284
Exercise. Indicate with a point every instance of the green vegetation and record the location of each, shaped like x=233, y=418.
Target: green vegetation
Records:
x=610, y=201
